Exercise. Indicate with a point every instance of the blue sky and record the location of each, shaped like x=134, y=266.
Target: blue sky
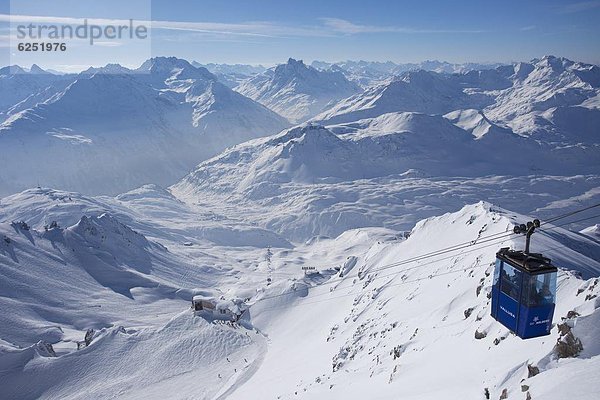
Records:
x=268, y=32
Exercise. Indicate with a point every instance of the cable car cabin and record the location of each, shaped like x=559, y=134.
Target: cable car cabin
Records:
x=524, y=292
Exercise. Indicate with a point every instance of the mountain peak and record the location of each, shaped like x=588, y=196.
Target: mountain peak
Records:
x=292, y=61
x=163, y=63
x=298, y=91
x=166, y=67
x=292, y=67
x=12, y=69
x=35, y=69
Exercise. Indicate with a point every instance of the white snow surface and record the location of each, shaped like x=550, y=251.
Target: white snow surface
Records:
x=347, y=326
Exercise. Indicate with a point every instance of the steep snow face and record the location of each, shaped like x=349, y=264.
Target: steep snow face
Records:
x=113, y=132
x=313, y=154
x=389, y=329
x=297, y=91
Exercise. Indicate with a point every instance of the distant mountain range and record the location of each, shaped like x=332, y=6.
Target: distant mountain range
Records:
x=110, y=129
x=114, y=129
x=551, y=98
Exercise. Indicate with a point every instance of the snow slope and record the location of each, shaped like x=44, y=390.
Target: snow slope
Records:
x=297, y=91
x=348, y=327
x=551, y=99
x=409, y=331
x=392, y=171
x=114, y=132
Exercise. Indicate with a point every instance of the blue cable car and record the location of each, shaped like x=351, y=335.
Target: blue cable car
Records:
x=524, y=289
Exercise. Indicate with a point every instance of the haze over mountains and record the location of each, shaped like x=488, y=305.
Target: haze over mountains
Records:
x=114, y=130
x=108, y=120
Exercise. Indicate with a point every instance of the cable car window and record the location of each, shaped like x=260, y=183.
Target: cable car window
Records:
x=497, y=271
x=542, y=289
x=510, y=281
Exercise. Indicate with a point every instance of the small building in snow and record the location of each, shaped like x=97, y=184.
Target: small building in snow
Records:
x=221, y=308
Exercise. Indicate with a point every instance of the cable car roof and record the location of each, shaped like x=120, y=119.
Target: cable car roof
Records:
x=531, y=263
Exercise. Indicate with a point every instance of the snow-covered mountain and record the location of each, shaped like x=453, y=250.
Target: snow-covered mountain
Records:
x=116, y=131
x=422, y=330
x=21, y=88
x=367, y=73
x=297, y=91
x=553, y=99
x=418, y=91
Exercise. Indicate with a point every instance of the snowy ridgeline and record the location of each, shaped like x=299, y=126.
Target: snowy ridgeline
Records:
x=342, y=318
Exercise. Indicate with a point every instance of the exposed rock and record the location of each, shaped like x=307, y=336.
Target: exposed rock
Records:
x=89, y=335
x=524, y=388
x=45, y=349
x=479, y=287
x=468, y=312
x=480, y=335
x=567, y=345
x=414, y=334
x=504, y=394
x=397, y=351
x=532, y=370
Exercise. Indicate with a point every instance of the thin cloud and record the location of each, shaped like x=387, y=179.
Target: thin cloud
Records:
x=328, y=27
x=346, y=27
x=108, y=44
x=256, y=29
x=528, y=28
x=579, y=7
x=4, y=41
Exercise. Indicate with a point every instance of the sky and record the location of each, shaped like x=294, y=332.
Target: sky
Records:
x=269, y=32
